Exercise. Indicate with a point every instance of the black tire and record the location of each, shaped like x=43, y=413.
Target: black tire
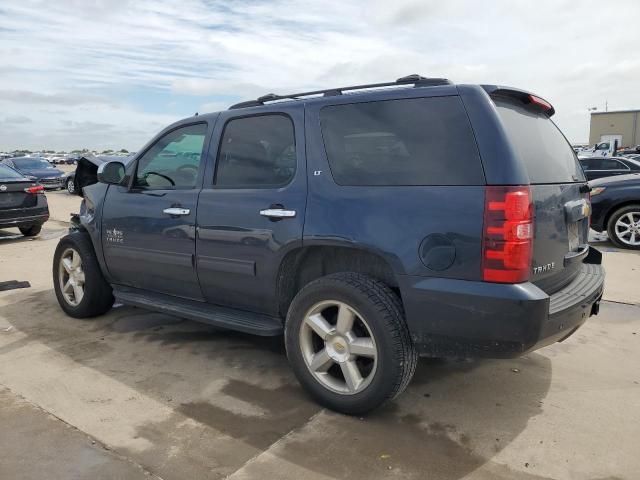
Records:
x=70, y=185
x=611, y=224
x=98, y=294
x=382, y=309
x=31, y=231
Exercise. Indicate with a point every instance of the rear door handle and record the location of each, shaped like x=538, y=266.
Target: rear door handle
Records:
x=278, y=213
x=176, y=211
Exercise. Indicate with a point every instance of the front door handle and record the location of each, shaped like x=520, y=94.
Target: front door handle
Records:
x=176, y=211
x=278, y=213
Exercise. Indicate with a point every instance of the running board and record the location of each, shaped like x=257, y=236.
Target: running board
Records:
x=223, y=317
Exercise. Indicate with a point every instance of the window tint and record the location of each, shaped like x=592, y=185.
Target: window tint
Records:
x=6, y=172
x=611, y=164
x=174, y=160
x=585, y=164
x=594, y=163
x=32, y=163
x=422, y=141
x=256, y=152
x=546, y=154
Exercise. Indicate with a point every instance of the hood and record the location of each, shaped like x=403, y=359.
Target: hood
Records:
x=615, y=180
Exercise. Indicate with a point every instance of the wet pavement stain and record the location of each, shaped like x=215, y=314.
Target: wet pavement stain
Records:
x=387, y=446
x=286, y=408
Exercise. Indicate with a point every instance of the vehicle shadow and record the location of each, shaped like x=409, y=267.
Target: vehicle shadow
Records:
x=453, y=419
x=51, y=229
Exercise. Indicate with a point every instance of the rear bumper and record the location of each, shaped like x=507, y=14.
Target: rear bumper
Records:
x=25, y=217
x=458, y=318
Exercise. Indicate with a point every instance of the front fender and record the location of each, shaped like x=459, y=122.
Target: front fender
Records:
x=90, y=220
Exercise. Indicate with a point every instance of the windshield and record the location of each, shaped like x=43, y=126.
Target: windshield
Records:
x=31, y=163
x=547, y=155
x=7, y=172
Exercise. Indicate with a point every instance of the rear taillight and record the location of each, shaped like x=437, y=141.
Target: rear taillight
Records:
x=507, y=243
x=35, y=189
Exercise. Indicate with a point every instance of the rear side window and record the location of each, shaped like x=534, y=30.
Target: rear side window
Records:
x=257, y=152
x=547, y=155
x=421, y=141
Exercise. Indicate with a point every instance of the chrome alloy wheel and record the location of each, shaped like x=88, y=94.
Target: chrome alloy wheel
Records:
x=627, y=228
x=338, y=347
x=71, y=277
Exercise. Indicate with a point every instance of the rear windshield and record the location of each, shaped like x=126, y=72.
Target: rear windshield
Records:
x=547, y=155
x=31, y=163
x=419, y=141
x=6, y=172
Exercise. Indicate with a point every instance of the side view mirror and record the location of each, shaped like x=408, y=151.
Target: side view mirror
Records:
x=111, y=173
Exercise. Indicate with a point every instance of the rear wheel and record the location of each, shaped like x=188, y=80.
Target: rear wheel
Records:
x=624, y=227
x=80, y=287
x=348, y=343
x=31, y=231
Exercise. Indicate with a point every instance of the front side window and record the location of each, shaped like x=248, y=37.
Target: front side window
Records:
x=420, y=141
x=173, y=161
x=256, y=152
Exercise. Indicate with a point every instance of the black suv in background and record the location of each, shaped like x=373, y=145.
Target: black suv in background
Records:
x=368, y=224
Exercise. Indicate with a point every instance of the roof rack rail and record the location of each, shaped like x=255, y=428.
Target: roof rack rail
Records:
x=414, y=79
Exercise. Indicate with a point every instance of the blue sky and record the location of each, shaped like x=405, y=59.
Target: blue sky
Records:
x=106, y=74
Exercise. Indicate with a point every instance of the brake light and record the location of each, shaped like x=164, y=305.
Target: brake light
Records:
x=540, y=102
x=35, y=189
x=507, y=243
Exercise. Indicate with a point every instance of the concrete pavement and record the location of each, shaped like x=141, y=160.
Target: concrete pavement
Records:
x=165, y=397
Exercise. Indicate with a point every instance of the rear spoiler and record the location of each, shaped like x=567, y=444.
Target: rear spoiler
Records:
x=528, y=99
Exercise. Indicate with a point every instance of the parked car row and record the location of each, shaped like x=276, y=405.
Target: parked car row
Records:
x=63, y=160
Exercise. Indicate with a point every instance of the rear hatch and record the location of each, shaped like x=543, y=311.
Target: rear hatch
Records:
x=559, y=190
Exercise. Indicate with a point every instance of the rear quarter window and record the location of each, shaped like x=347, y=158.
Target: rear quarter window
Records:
x=420, y=141
x=546, y=154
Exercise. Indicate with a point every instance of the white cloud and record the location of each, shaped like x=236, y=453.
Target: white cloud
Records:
x=136, y=65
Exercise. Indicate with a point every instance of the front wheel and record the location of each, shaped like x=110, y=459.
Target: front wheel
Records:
x=623, y=227
x=79, y=284
x=348, y=342
x=71, y=187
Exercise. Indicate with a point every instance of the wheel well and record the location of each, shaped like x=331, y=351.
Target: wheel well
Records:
x=614, y=209
x=306, y=264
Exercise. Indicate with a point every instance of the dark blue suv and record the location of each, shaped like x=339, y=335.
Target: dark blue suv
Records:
x=369, y=225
